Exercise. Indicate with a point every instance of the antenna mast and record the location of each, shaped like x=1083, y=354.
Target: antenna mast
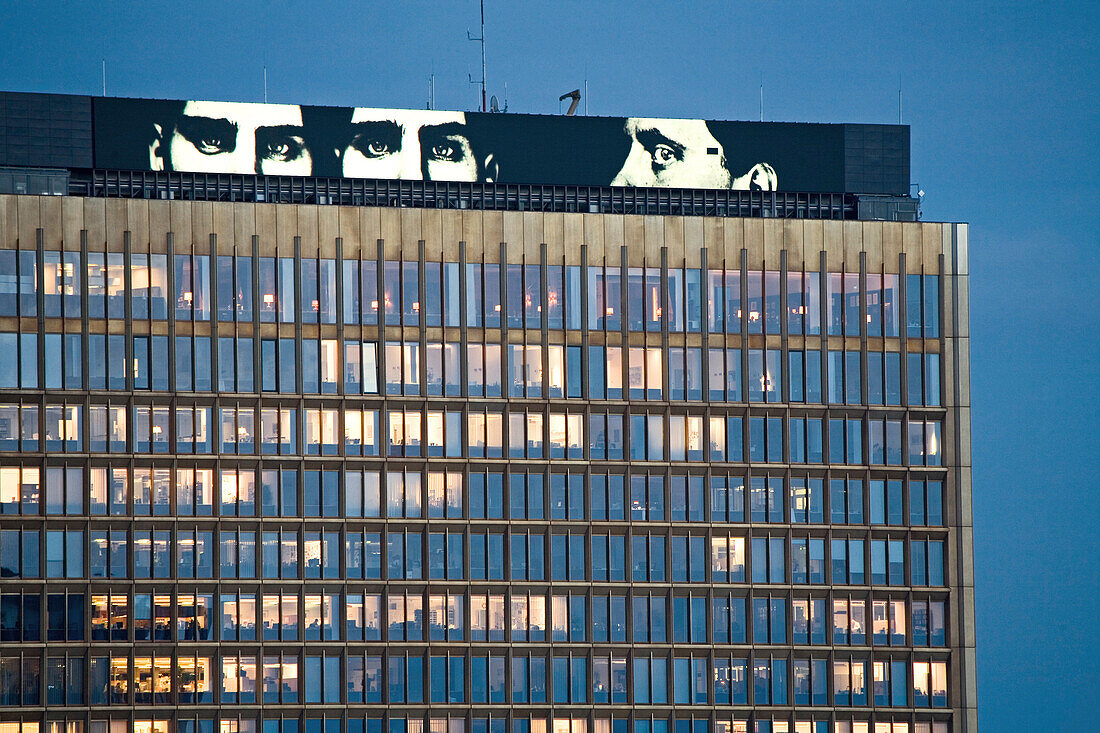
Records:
x=481, y=40
x=899, y=97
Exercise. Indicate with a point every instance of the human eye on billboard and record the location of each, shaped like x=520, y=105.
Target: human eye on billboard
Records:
x=376, y=140
x=283, y=144
x=664, y=154
x=448, y=155
x=450, y=151
x=446, y=150
x=447, y=143
x=677, y=153
x=376, y=149
x=208, y=135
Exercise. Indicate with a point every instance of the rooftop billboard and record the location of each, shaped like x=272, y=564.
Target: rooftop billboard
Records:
x=361, y=142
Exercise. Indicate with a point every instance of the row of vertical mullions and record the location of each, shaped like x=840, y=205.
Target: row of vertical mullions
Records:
x=214, y=314
x=85, y=403
x=84, y=318
x=422, y=326
x=294, y=465
x=586, y=358
x=257, y=346
x=543, y=332
x=666, y=472
x=558, y=718
x=904, y=531
x=261, y=649
x=666, y=593
x=340, y=327
x=127, y=248
x=383, y=426
x=599, y=589
x=955, y=486
x=302, y=407
x=40, y=299
x=505, y=346
x=172, y=358
x=40, y=303
x=664, y=287
x=580, y=710
x=623, y=299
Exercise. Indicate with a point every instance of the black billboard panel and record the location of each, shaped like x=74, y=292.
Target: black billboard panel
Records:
x=361, y=142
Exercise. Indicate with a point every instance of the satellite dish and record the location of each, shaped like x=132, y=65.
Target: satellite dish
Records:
x=493, y=107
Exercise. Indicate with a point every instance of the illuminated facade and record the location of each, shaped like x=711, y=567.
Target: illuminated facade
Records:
x=289, y=467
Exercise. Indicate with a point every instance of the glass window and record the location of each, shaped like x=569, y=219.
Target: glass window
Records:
x=493, y=304
x=433, y=294
x=52, y=284
x=410, y=293
x=654, y=307
x=352, y=293
x=913, y=306
x=891, y=305
x=755, y=304
x=851, y=304
x=284, y=302
x=932, y=380
x=676, y=299
x=555, y=295
x=597, y=305
x=773, y=309
x=573, y=303
x=715, y=301
x=474, y=303
x=326, y=284
x=268, y=291
x=931, y=298
x=9, y=283
x=635, y=294
x=873, y=304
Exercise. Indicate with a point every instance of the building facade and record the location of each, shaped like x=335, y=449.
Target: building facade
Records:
x=307, y=467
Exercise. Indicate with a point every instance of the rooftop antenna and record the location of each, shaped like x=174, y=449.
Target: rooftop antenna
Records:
x=481, y=40
x=761, y=96
x=104, y=77
x=899, y=99
x=265, y=84
x=431, y=90
x=586, y=90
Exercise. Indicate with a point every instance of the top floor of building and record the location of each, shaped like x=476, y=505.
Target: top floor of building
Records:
x=137, y=148
x=213, y=229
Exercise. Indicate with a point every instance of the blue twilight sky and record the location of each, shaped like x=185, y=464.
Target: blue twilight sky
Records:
x=1002, y=99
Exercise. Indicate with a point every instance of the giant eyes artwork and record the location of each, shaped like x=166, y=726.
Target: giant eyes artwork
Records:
x=362, y=142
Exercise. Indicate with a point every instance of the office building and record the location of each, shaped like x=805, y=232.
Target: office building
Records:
x=476, y=424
